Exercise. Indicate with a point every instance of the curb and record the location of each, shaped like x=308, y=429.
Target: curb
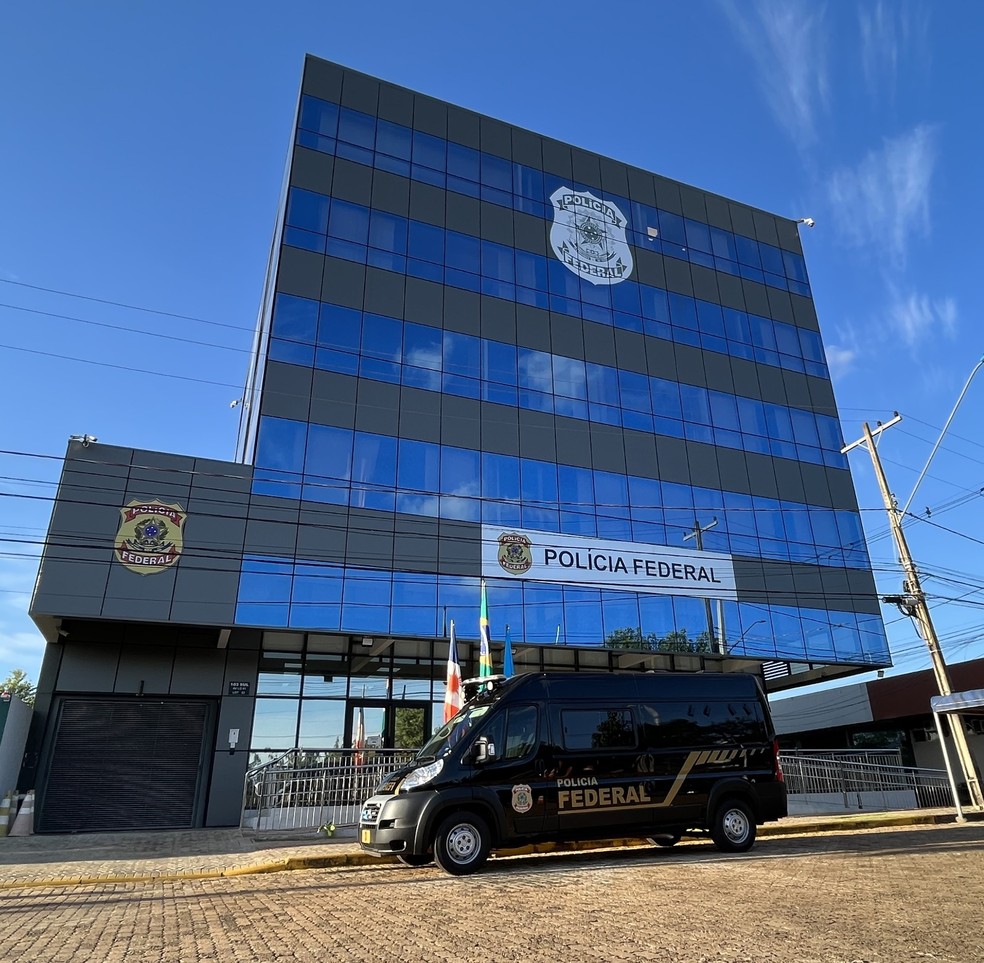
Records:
x=252, y=869
x=342, y=860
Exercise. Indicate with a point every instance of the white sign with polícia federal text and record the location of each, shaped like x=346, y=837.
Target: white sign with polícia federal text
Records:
x=597, y=563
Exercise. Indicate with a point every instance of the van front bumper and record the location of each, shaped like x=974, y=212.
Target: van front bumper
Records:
x=388, y=825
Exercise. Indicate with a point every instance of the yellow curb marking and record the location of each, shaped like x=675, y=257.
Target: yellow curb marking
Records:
x=863, y=821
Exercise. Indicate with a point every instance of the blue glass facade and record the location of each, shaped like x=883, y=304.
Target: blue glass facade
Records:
x=481, y=353
x=428, y=364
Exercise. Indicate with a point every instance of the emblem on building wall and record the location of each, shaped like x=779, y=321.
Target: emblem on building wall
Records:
x=588, y=235
x=150, y=537
x=515, y=553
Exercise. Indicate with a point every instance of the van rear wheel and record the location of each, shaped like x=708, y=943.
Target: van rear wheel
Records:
x=733, y=828
x=462, y=844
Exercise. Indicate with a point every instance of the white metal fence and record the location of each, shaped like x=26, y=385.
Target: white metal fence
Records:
x=860, y=782
x=303, y=790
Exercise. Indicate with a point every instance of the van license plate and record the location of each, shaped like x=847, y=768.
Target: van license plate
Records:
x=366, y=836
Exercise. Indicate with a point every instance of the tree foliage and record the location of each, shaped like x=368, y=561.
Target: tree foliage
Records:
x=18, y=684
x=675, y=641
x=409, y=728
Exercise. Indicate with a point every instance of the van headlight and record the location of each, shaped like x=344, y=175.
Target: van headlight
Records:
x=421, y=776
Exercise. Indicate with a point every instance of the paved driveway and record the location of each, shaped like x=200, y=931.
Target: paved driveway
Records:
x=879, y=896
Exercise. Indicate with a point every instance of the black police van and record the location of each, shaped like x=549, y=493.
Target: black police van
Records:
x=565, y=756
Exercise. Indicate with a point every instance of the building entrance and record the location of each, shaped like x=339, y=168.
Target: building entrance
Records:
x=387, y=723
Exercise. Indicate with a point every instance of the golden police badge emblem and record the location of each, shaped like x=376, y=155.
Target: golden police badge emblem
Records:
x=150, y=537
x=522, y=798
x=515, y=553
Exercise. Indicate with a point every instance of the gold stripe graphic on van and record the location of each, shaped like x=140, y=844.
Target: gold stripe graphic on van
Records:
x=694, y=759
x=605, y=798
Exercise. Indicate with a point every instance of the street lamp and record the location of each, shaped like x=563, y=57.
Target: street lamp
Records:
x=697, y=534
x=738, y=641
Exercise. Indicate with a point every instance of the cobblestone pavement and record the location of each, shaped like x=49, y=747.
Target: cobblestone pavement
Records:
x=902, y=895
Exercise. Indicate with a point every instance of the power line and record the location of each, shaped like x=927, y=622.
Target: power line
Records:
x=120, y=304
x=131, y=330
x=120, y=367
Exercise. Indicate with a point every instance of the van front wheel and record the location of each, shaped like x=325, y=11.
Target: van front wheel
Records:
x=733, y=829
x=462, y=844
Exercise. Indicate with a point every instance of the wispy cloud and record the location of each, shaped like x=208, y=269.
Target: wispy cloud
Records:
x=21, y=650
x=890, y=34
x=843, y=349
x=917, y=317
x=840, y=359
x=884, y=201
x=21, y=644
x=17, y=582
x=787, y=40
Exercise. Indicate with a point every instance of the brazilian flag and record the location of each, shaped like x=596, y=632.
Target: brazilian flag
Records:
x=485, y=649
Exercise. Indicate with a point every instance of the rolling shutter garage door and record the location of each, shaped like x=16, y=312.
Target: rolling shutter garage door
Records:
x=125, y=764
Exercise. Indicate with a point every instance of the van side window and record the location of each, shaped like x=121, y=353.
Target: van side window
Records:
x=520, y=732
x=598, y=728
x=702, y=723
x=736, y=723
x=671, y=724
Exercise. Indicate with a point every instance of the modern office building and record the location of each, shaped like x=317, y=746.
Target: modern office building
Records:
x=480, y=353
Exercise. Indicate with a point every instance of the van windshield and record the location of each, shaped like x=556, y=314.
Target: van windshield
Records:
x=451, y=733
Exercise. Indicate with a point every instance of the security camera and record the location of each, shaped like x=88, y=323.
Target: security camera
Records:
x=808, y=221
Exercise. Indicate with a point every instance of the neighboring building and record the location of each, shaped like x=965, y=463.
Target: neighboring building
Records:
x=892, y=713
x=15, y=721
x=479, y=352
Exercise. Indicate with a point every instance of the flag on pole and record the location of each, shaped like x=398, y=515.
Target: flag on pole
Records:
x=359, y=739
x=452, y=692
x=507, y=660
x=485, y=650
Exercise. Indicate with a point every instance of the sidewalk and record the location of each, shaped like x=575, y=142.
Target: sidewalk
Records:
x=46, y=861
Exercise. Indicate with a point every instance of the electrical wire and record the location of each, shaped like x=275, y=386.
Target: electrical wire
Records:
x=120, y=304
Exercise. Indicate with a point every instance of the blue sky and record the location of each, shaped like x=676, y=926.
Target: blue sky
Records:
x=142, y=150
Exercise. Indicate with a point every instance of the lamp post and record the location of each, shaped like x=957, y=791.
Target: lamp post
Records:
x=913, y=600
x=740, y=639
x=698, y=535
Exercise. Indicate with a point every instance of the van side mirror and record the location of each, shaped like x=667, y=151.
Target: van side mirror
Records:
x=484, y=750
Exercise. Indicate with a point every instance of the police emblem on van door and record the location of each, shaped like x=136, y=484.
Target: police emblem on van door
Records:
x=150, y=537
x=522, y=799
x=588, y=235
x=515, y=553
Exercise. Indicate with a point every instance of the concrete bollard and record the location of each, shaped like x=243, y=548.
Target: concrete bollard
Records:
x=24, y=823
x=5, y=814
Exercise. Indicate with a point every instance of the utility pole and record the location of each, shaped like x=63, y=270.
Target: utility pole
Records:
x=698, y=535
x=913, y=604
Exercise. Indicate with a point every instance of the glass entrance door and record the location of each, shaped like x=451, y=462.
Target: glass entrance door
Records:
x=386, y=724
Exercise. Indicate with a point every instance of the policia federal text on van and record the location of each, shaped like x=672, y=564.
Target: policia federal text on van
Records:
x=569, y=756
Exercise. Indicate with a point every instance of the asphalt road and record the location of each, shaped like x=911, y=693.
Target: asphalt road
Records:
x=912, y=895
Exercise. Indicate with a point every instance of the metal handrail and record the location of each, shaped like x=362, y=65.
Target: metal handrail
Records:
x=823, y=775
x=305, y=789
x=302, y=790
